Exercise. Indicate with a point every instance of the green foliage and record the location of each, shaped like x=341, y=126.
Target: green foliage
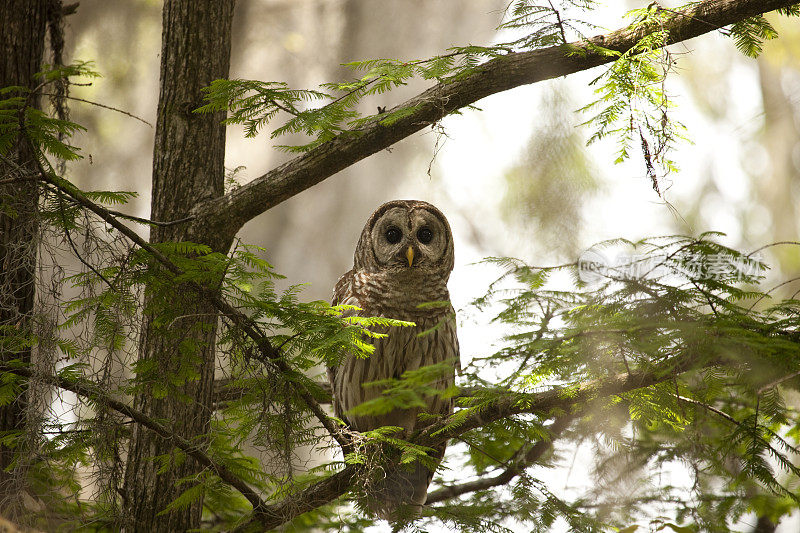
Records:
x=676, y=301
x=44, y=132
x=633, y=104
x=749, y=34
x=687, y=303
x=255, y=104
x=543, y=24
x=413, y=389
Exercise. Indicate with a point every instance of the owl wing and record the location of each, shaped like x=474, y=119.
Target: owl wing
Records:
x=343, y=294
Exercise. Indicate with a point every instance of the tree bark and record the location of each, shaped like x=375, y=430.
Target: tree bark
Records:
x=22, y=36
x=188, y=168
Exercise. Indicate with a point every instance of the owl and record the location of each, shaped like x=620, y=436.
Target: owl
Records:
x=403, y=260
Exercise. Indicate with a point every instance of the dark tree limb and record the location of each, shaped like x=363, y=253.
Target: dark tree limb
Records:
x=317, y=495
x=227, y=214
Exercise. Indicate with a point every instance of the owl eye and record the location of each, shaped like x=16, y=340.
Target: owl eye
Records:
x=393, y=235
x=425, y=235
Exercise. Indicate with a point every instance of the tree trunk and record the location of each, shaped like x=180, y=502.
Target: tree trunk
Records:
x=22, y=35
x=176, y=354
x=776, y=184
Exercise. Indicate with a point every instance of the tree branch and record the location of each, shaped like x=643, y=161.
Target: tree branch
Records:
x=93, y=392
x=562, y=399
x=230, y=212
x=317, y=495
x=268, y=352
x=522, y=461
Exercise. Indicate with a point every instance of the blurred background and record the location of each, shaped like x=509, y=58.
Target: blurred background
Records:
x=515, y=179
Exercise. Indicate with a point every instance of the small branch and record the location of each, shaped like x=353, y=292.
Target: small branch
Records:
x=98, y=104
x=517, y=467
x=150, y=222
x=778, y=382
x=284, y=108
x=75, y=248
x=18, y=179
x=560, y=22
x=558, y=398
x=318, y=494
x=94, y=393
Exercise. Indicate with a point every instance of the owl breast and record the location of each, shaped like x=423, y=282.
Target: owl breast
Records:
x=432, y=340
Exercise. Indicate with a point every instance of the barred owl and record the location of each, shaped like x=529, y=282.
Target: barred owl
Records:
x=403, y=259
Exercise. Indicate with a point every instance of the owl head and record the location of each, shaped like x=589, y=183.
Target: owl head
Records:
x=406, y=236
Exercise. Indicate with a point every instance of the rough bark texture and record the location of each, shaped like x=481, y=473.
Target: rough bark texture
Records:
x=22, y=35
x=230, y=212
x=188, y=168
x=777, y=183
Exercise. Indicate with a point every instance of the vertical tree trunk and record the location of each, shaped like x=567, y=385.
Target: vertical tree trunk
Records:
x=22, y=34
x=188, y=167
x=777, y=184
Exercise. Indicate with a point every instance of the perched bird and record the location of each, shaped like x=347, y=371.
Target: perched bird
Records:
x=403, y=260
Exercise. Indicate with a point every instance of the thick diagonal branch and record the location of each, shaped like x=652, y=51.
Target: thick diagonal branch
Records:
x=230, y=212
x=317, y=495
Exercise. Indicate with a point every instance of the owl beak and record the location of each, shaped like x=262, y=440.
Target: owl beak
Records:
x=410, y=255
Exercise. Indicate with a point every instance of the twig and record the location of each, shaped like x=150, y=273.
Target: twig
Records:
x=778, y=382
x=98, y=104
x=284, y=108
x=152, y=222
x=19, y=179
x=559, y=22
x=316, y=495
x=75, y=248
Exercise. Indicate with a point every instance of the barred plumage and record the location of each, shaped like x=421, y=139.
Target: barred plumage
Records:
x=403, y=259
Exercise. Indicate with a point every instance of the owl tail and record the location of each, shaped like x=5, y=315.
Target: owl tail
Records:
x=400, y=494
x=397, y=492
